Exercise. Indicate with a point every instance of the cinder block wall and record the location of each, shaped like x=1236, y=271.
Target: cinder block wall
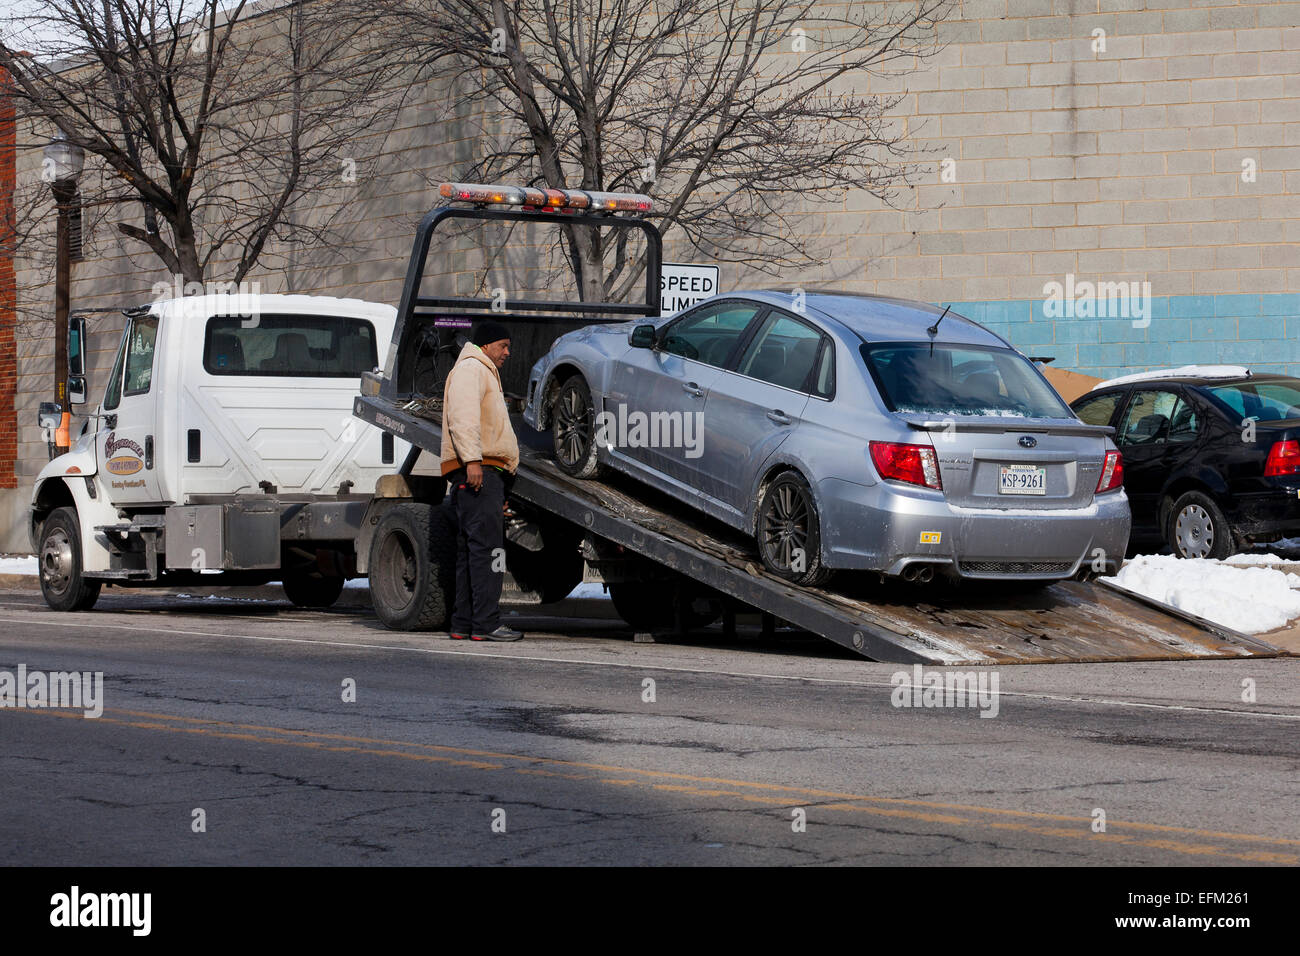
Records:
x=1171, y=156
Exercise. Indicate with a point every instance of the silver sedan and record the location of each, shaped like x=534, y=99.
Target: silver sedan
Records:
x=843, y=432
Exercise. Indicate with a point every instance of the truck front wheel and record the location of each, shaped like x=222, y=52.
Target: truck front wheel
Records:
x=63, y=585
x=413, y=567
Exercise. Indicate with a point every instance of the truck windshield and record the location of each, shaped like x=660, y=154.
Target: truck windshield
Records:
x=293, y=346
x=960, y=380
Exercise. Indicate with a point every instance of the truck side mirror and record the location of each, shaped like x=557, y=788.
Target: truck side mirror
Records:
x=50, y=415
x=642, y=337
x=77, y=390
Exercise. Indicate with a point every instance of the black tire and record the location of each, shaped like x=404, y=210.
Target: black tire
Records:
x=1197, y=528
x=787, y=524
x=552, y=572
x=648, y=606
x=413, y=567
x=63, y=585
x=313, y=590
x=573, y=429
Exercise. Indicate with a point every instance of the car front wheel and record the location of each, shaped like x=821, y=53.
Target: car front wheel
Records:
x=573, y=429
x=1198, y=529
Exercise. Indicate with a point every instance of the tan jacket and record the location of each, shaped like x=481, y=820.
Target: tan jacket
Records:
x=475, y=423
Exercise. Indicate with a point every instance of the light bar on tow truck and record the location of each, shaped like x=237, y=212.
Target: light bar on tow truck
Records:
x=531, y=196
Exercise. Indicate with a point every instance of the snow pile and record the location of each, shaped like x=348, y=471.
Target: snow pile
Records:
x=19, y=565
x=1251, y=600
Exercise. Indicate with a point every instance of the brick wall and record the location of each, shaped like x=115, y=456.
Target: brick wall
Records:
x=8, y=293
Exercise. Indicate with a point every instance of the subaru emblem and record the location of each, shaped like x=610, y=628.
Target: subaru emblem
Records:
x=1028, y=441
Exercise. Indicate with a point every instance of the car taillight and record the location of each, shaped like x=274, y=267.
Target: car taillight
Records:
x=1283, y=458
x=1112, y=473
x=914, y=464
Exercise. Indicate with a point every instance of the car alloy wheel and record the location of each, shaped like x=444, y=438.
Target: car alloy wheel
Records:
x=573, y=429
x=789, y=535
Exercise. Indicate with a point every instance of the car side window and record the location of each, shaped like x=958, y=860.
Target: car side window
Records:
x=1099, y=410
x=1149, y=418
x=1184, y=423
x=711, y=334
x=783, y=352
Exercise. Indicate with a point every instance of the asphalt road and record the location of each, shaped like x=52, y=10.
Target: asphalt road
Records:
x=551, y=751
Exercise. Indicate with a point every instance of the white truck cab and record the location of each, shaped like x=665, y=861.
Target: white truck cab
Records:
x=225, y=442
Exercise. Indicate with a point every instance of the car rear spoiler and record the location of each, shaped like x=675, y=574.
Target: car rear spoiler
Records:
x=974, y=423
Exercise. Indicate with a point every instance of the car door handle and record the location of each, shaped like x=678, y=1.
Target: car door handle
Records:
x=778, y=416
x=692, y=389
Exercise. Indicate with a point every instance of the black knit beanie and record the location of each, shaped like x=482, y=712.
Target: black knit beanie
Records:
x=488, y=332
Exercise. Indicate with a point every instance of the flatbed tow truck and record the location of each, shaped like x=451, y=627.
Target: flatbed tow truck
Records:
x=666, y=565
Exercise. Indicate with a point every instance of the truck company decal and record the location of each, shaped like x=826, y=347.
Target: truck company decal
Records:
x=391, y=424
x=122, y=464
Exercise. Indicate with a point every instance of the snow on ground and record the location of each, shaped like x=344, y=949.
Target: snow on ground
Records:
x=20, y=564
x=1248, y=599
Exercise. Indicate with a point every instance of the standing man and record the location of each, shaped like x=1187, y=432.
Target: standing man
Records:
x=479, y=456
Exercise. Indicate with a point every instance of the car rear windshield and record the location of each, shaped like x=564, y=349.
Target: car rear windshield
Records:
x=291, y=346
x=1265, y=401
x=963, y=380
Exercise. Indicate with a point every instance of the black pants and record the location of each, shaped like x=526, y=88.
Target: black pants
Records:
x=480, y=551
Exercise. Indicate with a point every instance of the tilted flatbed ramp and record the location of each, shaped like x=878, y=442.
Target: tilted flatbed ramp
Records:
x=1066, y=622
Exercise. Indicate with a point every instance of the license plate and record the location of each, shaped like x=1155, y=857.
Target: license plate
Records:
x=1023, y=480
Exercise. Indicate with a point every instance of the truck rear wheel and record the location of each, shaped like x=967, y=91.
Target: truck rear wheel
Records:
x=63, y=585
x=413, y=567
x=312, y=590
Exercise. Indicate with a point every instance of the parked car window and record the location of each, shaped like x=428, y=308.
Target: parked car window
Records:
x=139, y=354
x=920, y=378
x=1099, y=410
x=1184, y=422
x=1149, y=418
x=293, y=346
x=710, y=335
x=1266, y=401
x=783, y=352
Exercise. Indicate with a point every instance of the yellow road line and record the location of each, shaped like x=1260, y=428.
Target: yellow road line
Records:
x=714, y=787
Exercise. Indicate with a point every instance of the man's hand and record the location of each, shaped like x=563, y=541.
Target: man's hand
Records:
x=474, y=475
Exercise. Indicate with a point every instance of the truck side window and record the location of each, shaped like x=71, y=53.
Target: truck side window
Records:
x=113, y=393
x=139, y=354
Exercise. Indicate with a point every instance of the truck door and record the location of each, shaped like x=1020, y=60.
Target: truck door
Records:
x=127, y=447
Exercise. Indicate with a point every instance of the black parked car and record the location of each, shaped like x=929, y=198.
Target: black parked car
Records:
x=1211, y=463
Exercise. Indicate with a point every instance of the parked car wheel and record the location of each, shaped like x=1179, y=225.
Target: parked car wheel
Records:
x=649, y=607
x=63, y=585
x=312, y=589
x=413, y=567
x=573, y=429
x=1198, y=529
x=789, y=533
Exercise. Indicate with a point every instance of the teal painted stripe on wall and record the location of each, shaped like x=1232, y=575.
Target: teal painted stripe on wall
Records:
x=1262, y=331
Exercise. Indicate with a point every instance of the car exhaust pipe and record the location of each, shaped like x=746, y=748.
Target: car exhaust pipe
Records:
x=910, y=573
x=925, y=575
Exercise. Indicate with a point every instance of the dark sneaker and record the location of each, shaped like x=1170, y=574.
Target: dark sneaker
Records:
x=459, y=637
x=502, y=633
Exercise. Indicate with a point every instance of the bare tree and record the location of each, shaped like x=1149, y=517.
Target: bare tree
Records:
x=213, y=120
x=720, y=110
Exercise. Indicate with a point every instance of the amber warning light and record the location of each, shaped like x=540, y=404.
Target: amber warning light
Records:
x=545, y=198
